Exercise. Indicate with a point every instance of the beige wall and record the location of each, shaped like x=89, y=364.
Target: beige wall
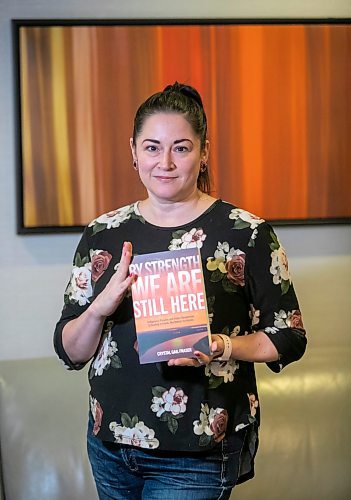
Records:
x=34, y=269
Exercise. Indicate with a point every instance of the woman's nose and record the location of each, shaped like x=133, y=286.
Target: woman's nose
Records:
x=166, y=161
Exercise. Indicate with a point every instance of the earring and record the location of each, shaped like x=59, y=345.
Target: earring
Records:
x=135, y=165
x=203, y=166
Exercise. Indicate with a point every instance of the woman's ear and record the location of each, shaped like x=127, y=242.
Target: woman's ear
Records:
x=205, y=152
x=132, y=148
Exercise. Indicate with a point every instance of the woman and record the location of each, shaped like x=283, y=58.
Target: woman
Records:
x=187, y=428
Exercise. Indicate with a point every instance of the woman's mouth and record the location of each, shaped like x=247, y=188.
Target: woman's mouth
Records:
x=164, y=178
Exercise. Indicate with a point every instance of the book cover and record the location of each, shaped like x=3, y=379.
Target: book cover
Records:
x=170, y=307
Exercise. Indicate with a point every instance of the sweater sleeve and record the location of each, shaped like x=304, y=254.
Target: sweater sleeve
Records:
x=274, y=305
x=77, y=297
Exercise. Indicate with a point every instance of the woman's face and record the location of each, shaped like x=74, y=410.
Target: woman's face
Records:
x=168, y=156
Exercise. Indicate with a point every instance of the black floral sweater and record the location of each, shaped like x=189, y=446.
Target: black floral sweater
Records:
x=248, y=288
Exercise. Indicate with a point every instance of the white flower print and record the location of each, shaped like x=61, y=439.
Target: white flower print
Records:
x=290, y=319
x=222, y=249
x=279, y=266
x=202, y=425
x=138, y=435
x=271, y=329
x=191, y=239
x=243, y=220
x=240, y=426
x=114, y=218
x=253, y=404
x=225, y=369
x=79, y=288
x=280, y=319
x=235, y=331
x=106, y=353
x=254, y=234
x=254, y=315
x=250, y=219
x=169, y=405
x=173, y=401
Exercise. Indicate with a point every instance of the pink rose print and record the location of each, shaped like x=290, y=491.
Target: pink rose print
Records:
x=97, y=418
x=295, y=319
x=99, y=264
x=235, y=269
x=219, y=425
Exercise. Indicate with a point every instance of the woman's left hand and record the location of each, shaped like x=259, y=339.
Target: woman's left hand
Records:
x=201, y=358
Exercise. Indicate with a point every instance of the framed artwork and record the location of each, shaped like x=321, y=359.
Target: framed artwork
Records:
x=277, y=97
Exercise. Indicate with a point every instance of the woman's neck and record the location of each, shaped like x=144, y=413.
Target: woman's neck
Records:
x=171, y=214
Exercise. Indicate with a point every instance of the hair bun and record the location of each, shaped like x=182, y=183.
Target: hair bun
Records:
x=186, y=90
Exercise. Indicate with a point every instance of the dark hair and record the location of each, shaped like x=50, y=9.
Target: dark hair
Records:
x=183, y=99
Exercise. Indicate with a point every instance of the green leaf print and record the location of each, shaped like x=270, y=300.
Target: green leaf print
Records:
x=158, y=391
x=241, y=224
x=214, y=382
x=135, y=420
x=116, y=362
x=216, y=276
x=275, y=243
x=126, y=420
x=172, y=424
x=204, y=440
x=138, y=217
x=229, y=286
x=177, y=235
x=80, y=261
x=99, y=227
x=285, y=285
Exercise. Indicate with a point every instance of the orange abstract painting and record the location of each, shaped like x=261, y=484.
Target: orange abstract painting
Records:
x=277, y=97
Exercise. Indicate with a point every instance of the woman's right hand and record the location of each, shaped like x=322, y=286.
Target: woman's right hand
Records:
x=110, y=298
x=81, y=336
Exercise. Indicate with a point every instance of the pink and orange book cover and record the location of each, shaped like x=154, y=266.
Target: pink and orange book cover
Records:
x=170, y=307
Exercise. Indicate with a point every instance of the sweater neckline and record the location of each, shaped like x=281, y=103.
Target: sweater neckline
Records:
x=173, y=228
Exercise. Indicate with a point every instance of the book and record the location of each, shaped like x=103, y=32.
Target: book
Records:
x=170, y=307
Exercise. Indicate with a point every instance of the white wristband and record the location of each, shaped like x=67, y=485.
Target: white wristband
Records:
x=227, y=350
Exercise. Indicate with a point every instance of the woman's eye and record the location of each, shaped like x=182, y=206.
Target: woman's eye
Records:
x=151, y=148
x=181, y=149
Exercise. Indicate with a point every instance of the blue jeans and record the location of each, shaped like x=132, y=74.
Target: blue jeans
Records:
x=123, y=472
